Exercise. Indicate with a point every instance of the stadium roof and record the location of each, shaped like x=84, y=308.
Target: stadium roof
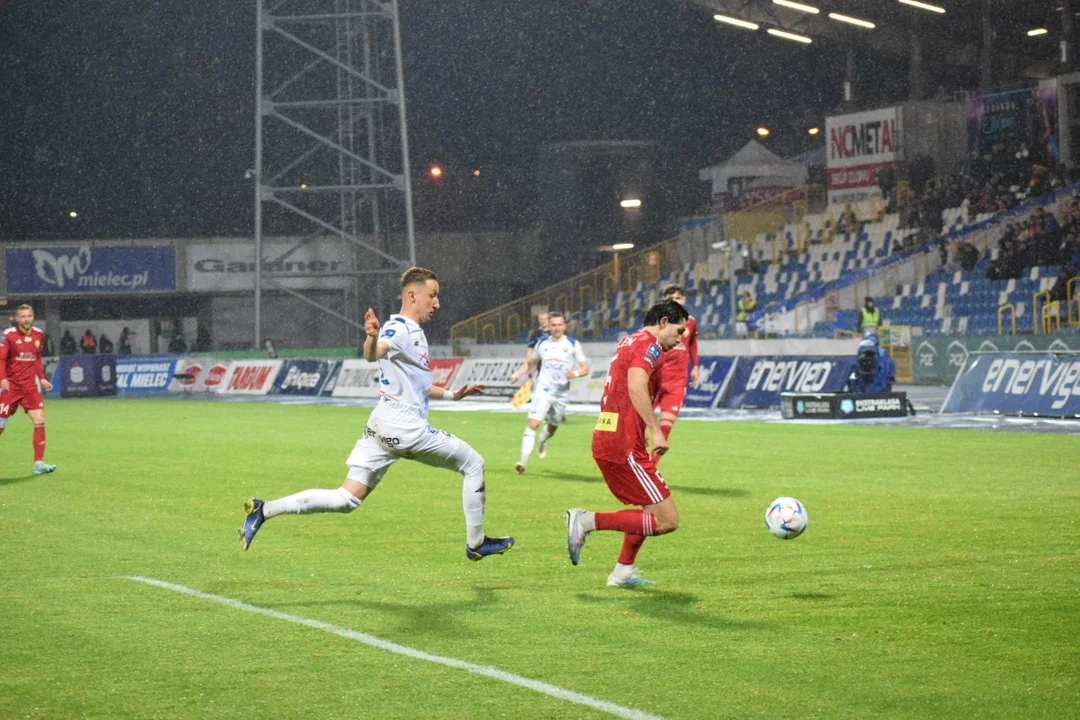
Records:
x=958, y=32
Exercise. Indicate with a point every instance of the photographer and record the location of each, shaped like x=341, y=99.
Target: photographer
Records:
x=875, y=371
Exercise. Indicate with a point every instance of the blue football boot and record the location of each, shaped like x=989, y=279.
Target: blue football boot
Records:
x=490, y=546
x=252, y=523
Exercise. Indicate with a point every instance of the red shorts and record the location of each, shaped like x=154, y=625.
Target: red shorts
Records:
x=634, y=481
x=669, y=398
x=29, y=398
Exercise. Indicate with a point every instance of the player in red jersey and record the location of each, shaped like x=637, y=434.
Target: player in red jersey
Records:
x=20, y=370
x=668, y=387
x=619, y=449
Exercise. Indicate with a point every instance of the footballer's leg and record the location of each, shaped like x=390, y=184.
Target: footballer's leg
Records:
x=555, y=416
x=367, y=463
x=443, y=450
x=37, y=416
x=528, y=441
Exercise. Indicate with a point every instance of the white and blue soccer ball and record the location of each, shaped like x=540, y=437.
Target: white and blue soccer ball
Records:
x=786, y=518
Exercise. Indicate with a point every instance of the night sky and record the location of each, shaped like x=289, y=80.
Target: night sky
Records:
x=142, y=119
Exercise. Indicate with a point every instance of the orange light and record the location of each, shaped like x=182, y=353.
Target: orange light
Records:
x=435, y=171
x=763, y=131
x=814, y=131
x=476, y=173
x=303, y=186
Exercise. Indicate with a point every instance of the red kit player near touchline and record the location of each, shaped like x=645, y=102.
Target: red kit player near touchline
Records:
x=668, y=386
x=619, y=449
x=20, y=371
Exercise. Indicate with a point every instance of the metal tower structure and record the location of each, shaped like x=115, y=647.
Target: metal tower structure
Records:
x=331, y=146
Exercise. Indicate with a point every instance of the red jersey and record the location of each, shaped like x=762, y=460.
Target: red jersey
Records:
x=20, y=356
x=676, y=363
x=620, y=430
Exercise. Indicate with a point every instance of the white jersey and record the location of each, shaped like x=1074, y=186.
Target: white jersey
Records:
x=556, y=358
x=404, y=377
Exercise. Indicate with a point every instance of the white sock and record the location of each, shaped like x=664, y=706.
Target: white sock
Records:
x=473, y=496
x=622, y=572
x=313, y=501
x=544, y=434
x=587, y=520
x=528, y=441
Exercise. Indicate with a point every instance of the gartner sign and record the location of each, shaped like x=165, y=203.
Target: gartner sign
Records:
x=85, y=269
x=1017, y=383
x=231, y=266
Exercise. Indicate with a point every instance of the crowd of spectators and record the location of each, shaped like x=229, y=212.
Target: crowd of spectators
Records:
x=1039, y=240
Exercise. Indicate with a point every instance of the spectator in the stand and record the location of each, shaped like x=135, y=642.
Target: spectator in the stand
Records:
x=88, y=343
x=125, y=341
x=747, y=305
x=177, y=344
x=869, y=317
x=49, y=350
x=67, y=343
x=966, y=255
x=105, y=345
x=271, y=351
x=1060, y=291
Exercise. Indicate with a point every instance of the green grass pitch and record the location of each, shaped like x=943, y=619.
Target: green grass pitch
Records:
x=939, y=578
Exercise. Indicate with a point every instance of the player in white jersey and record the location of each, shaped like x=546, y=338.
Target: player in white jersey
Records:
x=561, y=359
x=398, y=426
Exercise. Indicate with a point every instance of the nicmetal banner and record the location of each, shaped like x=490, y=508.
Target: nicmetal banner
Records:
x=859, y=146
x=1043, y=384
x=713, y=377
x=443, y=371
x=757, y=382
x=251, y=377
x=143, y=374
x=357, y=379
x=303, y=377
x=85, y=269
x=936, y=360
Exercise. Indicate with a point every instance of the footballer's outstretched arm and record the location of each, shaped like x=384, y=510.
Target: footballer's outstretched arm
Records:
x=374, y=348
x=637, y=383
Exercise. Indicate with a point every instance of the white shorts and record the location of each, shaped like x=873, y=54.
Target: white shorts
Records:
x=385, y=443
x=549, y=407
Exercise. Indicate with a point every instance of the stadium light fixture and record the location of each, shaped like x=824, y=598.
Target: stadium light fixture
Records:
x=622, y=246
x=476, y=172
x=797, y=6
x=814, y=130
x=763, y=131
x=1037, y=31
x=73, y=214
x=789, y=36
x=303, y=186
x=435, y=171
x=852, y=21
x=746, y=25
x=924, y=6
x=630, y=203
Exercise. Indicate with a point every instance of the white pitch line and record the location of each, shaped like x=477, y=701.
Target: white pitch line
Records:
x=486, y=670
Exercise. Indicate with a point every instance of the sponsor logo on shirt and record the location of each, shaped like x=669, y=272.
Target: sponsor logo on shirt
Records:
x=607, y=422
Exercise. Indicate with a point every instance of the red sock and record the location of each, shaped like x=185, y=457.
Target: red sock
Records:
x=39, y=443
x=630, y=522
x=630, y=546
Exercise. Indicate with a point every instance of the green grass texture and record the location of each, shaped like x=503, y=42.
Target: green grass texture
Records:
x=938, y=578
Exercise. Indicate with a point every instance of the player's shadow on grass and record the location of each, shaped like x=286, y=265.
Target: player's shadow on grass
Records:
x=687, y=489
x=13, y=480
x=421, y=619
x=682, y=608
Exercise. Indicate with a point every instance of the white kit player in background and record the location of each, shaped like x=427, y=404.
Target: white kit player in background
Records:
x=561, y=359
x=398, y=426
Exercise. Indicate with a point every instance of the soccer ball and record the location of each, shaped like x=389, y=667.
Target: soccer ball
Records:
x=786, y=518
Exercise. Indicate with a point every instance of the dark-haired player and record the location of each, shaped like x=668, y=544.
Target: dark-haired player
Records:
x=398, y=426
x=619, y=449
